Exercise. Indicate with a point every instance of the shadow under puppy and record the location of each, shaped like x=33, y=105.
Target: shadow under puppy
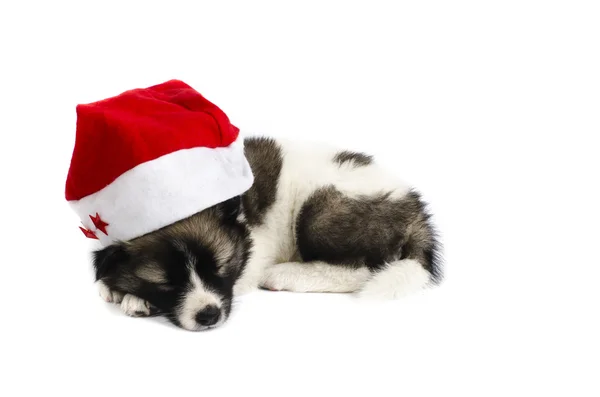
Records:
x=191, y=216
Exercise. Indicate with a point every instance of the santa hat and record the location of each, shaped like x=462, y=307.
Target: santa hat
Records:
x=150, y=157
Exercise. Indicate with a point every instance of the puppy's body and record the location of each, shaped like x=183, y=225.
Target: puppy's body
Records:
x=325, y=220
x=316, y=219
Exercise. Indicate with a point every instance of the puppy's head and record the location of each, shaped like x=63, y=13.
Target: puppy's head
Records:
x=186, y=271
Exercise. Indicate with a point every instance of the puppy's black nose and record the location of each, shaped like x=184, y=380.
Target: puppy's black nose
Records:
x=208, y=316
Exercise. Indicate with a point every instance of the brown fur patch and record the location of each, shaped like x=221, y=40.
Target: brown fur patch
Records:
x=355, y=158
x=264, y=156
x=336, y=228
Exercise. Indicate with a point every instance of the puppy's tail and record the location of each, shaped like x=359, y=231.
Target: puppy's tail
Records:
x=419, y=263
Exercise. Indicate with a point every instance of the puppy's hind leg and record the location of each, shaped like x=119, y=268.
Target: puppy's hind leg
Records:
x=314, y=277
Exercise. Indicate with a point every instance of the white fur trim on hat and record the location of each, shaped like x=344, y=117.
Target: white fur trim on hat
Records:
x=170, y=188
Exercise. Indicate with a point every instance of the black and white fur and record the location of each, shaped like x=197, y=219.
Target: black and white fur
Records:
x=317, y=219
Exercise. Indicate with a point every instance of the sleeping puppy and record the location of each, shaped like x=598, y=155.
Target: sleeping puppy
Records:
x=316, y=219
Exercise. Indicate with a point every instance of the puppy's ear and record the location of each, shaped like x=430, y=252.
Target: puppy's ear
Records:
x=230, y=209
x=108, y=259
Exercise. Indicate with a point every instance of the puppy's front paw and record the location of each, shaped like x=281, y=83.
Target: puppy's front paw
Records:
x=135, y=307
x=276, y=278
x=107, y=294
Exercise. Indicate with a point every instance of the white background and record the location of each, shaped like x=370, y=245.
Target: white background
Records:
x=491, y=109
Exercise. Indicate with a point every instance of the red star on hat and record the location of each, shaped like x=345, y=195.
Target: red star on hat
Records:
x=88, y=233
x=99, y=223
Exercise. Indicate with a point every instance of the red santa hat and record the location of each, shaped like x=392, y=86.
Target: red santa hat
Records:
x=150, y=157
